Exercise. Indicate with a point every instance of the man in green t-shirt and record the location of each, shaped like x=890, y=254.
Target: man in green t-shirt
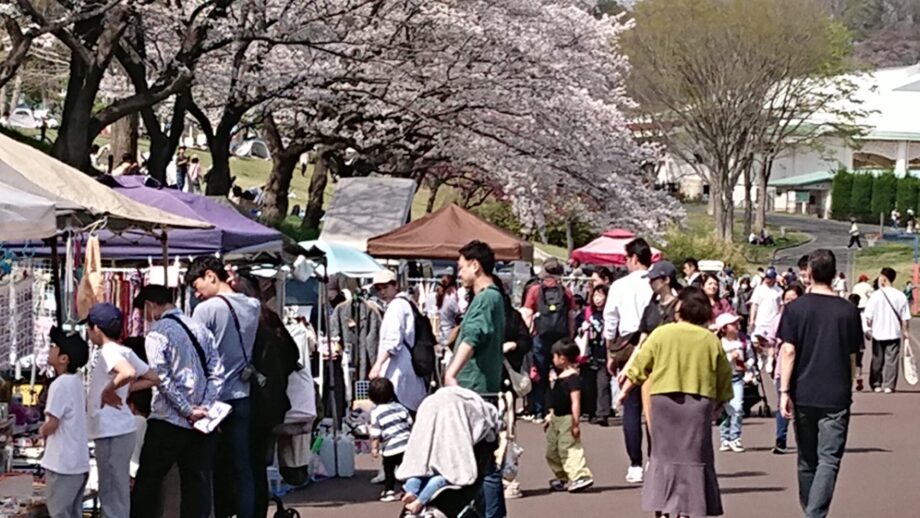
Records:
x=477, y=363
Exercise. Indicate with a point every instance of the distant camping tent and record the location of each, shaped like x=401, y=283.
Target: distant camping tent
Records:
x=609, y=249
x=254, y=148
x=442, y=234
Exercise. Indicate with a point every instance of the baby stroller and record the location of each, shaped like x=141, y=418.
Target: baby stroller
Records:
x=756, y=393
x=456, y=434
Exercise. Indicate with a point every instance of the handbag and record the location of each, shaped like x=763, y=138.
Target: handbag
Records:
x=910, y=364
x=520, y=383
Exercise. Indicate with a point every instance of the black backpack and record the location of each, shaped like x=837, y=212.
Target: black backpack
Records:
x=423, y=357
x=552, y=322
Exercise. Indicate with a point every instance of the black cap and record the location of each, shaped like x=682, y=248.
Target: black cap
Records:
x=661, y=269
x=71, y=344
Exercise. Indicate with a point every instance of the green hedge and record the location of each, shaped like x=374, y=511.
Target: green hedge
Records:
x=907, y=194
x=884, y=192
x=861, y=197
x=840, y=194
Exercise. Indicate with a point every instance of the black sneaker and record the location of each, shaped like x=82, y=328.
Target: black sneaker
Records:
x=780, y=448
x=600, y=421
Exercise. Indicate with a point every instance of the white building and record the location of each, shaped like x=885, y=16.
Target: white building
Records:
x=801, y=178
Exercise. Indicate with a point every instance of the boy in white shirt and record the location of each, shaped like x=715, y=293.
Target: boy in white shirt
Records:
x=66, y=459
x=117, y=371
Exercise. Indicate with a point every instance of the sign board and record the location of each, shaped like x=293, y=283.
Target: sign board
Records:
x=802, y=196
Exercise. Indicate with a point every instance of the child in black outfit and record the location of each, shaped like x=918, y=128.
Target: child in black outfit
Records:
x=564, y=452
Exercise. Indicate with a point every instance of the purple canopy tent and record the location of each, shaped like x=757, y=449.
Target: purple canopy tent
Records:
x=233, y=233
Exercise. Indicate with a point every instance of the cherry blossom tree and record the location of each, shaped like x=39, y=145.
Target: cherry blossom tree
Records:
x=529, y=93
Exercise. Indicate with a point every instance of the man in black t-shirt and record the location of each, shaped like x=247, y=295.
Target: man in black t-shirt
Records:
x=821, y=334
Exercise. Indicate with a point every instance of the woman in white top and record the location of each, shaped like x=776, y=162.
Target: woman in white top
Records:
x=840, y=285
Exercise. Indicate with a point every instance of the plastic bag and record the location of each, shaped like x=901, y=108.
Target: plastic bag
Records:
x=511, y=464
x=910, y=364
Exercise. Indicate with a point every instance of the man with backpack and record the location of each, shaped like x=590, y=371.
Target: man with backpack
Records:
x=549, y=312
x=396, y=355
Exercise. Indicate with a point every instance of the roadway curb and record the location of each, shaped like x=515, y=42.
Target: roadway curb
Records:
x=811, y=239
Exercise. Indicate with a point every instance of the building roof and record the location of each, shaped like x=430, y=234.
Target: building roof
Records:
x=803, y=180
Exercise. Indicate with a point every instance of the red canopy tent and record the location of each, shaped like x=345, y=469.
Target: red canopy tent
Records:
x=609, y=249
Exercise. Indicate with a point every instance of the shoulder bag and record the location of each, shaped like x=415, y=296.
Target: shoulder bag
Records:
x=911, y=371
x=249, y=372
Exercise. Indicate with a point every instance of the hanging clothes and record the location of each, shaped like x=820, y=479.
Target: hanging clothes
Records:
x=356, y=324
x=91, y=290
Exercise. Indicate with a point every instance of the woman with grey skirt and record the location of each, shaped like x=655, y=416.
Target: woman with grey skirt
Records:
x=690, y=381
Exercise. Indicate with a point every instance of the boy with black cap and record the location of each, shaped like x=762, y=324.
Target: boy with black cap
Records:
x=112, y=428
x=66, y=459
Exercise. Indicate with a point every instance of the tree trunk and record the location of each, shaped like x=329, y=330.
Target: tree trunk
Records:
x=314, y=210
x=432, y=196
x=275, y=194
x=17, y=93
x=760, y=216
x=78, y=128
x=219, y=181
x=748, y=203
x=162, y=144
x=124, y=137
x=3, y=109
x=569, y=234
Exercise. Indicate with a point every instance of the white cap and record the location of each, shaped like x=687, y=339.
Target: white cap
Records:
x=724, y=319
x=384, y=276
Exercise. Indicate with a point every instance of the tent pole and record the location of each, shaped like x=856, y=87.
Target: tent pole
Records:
x=56, y=281
x=165, y=240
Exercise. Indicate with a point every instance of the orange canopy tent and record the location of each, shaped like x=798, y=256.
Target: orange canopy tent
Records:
x=441, y=235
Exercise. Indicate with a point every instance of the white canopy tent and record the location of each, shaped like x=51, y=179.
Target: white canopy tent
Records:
x=25, y=216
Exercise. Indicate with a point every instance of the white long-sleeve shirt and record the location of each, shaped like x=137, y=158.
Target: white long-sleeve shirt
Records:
x=626, y=302
x=397, y=337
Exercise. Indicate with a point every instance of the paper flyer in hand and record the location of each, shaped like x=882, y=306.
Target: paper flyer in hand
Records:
x=216, y=414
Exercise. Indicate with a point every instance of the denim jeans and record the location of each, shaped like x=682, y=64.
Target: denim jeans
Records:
x=493, y=493
x=730, y=429
x=632, y=427
x=181, y=175
x=424, y=488
x=541, y=360
x=821, y=436
x=782, y=424
x=234, y=487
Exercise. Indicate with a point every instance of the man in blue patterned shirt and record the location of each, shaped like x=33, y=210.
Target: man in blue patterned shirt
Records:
x=184, y=356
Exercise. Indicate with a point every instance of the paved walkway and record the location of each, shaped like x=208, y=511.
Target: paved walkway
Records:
x=878, y=477
x=825, y=233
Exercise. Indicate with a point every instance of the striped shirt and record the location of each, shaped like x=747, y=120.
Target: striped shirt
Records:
x=391, y=424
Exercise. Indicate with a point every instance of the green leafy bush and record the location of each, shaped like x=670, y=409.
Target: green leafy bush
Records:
x=883, y=194
x=840, y=194
x=861, y=197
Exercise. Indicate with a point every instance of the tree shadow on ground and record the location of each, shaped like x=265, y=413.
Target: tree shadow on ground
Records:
x=743, y=474
x=867, y=450
x=744, y=490
x=527, y=493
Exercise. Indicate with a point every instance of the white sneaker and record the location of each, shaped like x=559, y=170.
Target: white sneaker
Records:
x=877, y=390
x=634, y=475
x=736, y=446
x=888, y=391
x=725, y=446
x=380, y=478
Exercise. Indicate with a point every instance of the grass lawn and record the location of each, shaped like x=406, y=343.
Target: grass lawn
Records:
x=701, y=223
x=899, y=256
